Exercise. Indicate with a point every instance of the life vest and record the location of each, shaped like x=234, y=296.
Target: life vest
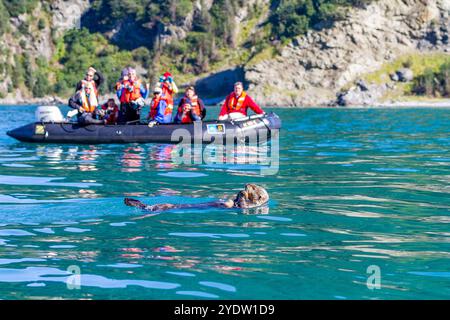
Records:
x=185, y=118
x=196, y=106
x=167, y=92
x=154, y=107
x=88, y=104
x=235, y=105
x=112, y=118
x=127, y=95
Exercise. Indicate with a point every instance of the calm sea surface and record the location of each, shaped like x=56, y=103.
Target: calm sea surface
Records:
x=357, y=190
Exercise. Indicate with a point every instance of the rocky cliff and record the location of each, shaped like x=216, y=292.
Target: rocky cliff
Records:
x=322, y=67
x=314, y=68
x=31, y=36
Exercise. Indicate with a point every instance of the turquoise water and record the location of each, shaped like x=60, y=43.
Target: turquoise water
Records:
x=356, y=189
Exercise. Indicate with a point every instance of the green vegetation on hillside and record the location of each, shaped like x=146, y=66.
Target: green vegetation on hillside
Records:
x=429, y=71
x=295, y=17
x=142, y=11
x=18, y=7
x=205, y=40
x=4, y=18
x=433, y=83
x=78, y=50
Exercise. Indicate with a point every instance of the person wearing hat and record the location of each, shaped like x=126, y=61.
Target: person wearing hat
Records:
x=159, y=110
x=169, y=88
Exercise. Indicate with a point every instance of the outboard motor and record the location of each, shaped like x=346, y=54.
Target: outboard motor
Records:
x=48, y=114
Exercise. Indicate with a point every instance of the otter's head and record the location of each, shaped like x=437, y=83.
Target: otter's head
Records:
x=252, y=196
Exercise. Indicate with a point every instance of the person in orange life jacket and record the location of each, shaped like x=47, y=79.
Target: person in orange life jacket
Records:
x=190, y=108
x=159, y=110
x=85, y=101
x=109, y=112
x=132, y=94
x=93, y=77
x=169, y=88
x=120, y=84
x=237, y=103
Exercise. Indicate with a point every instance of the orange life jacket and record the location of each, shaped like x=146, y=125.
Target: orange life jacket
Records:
x=234, y=105
x=127, y=95
x=87, y=104
x=196, y=106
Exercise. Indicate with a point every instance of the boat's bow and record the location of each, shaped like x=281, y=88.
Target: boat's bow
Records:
x=25, y=133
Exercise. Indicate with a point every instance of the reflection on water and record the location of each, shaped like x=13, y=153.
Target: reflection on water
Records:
x=355, y=188
x=131, y=160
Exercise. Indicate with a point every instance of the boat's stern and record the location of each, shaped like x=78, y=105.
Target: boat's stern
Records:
x=273, y=121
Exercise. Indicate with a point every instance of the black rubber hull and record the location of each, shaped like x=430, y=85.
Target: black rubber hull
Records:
x=254, y=129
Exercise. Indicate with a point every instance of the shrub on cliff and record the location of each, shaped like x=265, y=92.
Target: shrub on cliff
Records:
x=436, y=84
x=18, y=7
x=4, y=18
x=295, y=17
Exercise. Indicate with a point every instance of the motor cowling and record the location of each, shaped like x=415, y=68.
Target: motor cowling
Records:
x=48, y=114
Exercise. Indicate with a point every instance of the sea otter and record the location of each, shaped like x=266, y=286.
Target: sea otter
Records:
x=251, y=197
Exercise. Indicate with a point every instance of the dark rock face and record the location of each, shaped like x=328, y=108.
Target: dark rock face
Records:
x=362, y=85
x=219, y=84
x=126, y=33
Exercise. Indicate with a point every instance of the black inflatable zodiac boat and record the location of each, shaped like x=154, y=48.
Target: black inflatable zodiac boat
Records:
x=249, y=128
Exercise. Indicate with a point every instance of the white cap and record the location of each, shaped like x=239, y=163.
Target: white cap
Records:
x=157, y=90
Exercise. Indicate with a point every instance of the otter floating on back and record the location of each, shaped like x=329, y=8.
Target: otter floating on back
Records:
x=251, y=197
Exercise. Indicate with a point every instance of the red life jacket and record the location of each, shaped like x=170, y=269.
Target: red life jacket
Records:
x=154, y=106
x=195, y=107
x=167, y=92
x=112, y=119
x=185, y=118
x=235, y=105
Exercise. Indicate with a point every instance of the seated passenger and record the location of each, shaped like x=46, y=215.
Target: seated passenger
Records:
x=110, y=112
x=85, y=101
x=159, y=111
x=190, y=108
x=237, y=103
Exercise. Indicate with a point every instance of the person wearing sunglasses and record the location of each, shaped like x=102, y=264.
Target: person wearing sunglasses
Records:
x=93, y=78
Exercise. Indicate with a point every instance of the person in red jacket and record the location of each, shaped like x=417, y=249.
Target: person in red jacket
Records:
x=237, y=103
x=110, y=111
